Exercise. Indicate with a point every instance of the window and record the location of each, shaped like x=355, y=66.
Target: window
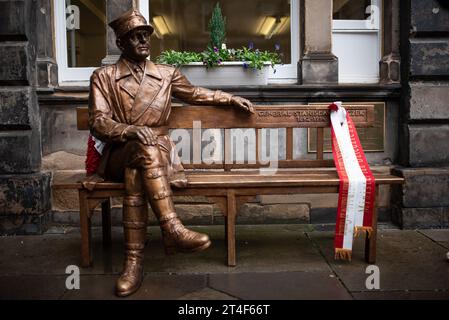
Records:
x=80, y=27
x=183, y=25
x=356, y=40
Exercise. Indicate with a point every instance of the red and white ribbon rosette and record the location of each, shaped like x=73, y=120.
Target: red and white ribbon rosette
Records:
x=94, y=151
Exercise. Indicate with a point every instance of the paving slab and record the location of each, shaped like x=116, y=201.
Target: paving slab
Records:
x=207, y=294
x=402, y=295
x=407, y=260
x=259, y=248
x=49, y=254
x=52, y=253
x=37, y=287
x=93, y=287
x=274, y=262
x=154, y=287
x=439, y=235
x=271, y=248
x=280, y=286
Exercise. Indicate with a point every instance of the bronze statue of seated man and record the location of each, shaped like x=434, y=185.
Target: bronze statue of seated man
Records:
x=129, y=105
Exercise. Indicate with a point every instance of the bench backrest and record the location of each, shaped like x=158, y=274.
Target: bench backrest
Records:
x=266, y=116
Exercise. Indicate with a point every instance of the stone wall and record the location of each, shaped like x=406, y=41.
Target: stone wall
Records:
x=24, y=190
x=424, y=134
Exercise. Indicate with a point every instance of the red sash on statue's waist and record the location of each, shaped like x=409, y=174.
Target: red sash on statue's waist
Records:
x=357, y=184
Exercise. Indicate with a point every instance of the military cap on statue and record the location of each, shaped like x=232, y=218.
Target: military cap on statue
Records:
x=128, y=21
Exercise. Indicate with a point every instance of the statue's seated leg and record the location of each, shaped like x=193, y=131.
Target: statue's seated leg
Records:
x=135, y=218
x=178, y=180
x=175, y=170
x=154, y=175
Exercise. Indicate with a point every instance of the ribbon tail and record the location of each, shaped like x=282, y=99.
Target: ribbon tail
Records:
x=343, y=254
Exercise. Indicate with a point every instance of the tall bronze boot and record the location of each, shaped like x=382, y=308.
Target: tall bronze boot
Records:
x=176, y=236
x=134, y=224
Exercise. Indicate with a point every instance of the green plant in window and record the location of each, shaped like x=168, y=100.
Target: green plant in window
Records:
x=217, y=28
x=213, y=57
x=178, y=58
x=216, y=53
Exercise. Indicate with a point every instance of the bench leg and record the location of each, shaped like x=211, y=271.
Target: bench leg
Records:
x=106, y=222
x=230, y=227
x=371, y=242
x=85, y=228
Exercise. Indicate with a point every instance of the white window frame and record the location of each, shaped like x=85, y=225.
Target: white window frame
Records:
x=372, y=24
x=357, y=28
x=67, y=76
x=287, y=73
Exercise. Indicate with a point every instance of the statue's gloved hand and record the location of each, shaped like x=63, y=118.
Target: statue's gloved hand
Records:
x=144, y=134
x=242, y=103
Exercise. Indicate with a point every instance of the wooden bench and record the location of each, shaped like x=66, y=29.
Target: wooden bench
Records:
x=228, y=184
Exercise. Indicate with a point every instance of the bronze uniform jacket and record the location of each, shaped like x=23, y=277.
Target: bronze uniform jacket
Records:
x=117, y=99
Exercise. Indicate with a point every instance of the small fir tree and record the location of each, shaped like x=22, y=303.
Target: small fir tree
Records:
x=217, y=28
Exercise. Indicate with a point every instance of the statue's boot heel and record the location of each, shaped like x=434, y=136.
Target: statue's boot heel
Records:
x=171, y=248
x=177, y=238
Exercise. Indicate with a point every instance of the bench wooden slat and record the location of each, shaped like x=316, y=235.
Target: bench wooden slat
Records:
x=258, y=136
x=320, y=143
x=241, y=180
x=289, y=143
x=227, y=144
x=280, y=164
x=266, y=116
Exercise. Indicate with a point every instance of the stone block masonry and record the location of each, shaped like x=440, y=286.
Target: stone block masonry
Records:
x=423, y=202
x=24, y=189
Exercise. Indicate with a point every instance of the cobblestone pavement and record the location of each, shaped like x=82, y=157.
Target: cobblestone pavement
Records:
x=274, y=262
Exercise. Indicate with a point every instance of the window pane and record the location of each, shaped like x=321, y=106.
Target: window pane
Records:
x=184, y=24
x=351, y=9
x=86, y=32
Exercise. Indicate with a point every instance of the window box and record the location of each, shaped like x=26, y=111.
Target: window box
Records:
x=228, y=73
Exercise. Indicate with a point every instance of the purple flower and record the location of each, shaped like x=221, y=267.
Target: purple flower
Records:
x=277, y=46
x=215, y=49
x=251, y=45
x=245, y=65
x=219, y=61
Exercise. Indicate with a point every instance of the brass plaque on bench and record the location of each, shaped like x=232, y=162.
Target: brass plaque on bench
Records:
x=266, y=116
x=309, y=116
x=372, y=138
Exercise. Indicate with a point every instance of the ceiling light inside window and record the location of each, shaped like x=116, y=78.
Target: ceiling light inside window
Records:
x=273, y=25
x=160, y=27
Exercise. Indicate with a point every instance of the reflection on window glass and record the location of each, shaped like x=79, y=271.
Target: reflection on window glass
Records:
x=183, y=25
x=351, y=9
x=86, y=32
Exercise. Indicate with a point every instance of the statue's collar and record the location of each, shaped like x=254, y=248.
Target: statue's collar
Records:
x=124, y=71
